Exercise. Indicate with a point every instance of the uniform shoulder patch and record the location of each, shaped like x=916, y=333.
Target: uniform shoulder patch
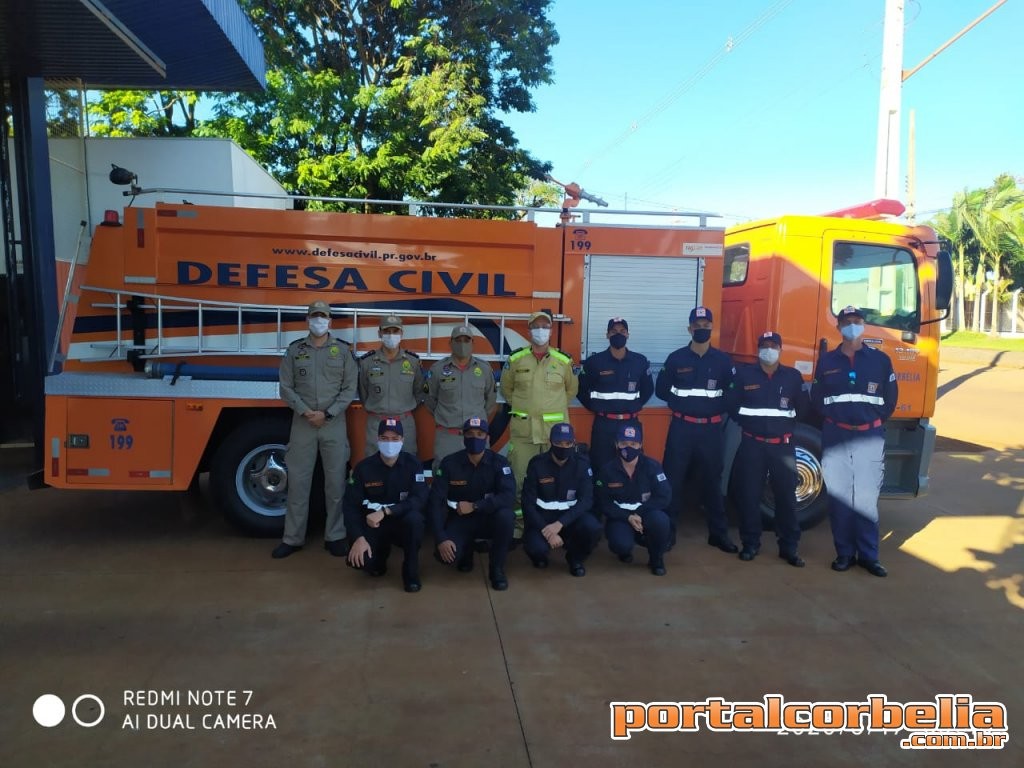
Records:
x=506, y=470
x=365, y=355
x=559, y=355
x=661, y=477
x=411, y=353
x=518, y=354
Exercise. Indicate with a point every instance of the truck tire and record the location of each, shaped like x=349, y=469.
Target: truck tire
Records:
x=248, y=477
x=811, y=499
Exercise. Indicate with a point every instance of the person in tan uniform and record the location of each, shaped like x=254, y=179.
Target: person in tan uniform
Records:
x=538, y=383
x=390, y=384
x=459, y=387
x=317, y=381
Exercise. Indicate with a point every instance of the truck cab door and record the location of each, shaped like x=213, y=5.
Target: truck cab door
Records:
x=877, y=272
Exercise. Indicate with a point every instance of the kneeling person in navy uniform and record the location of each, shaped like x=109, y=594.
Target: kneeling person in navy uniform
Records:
x=473, y=497
x=766, y=400
x=383, y=506
x=558, y=496
x=633, y=495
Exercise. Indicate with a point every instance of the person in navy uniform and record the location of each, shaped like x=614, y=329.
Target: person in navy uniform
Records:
x=633, y=495
x=383, y=506
x=855, y=391
x=614, y=385
x=693, y=383
x=558, y=501
x=766, y=401
x=473, y=497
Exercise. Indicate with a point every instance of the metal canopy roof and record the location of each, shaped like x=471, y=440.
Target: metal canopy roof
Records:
x=148, y=44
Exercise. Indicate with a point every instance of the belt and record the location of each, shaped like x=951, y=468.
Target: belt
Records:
x=617, y=416
x=784, y=440
x=449, y=430
x=695, y=420
x=856, y=427
x=391, y=415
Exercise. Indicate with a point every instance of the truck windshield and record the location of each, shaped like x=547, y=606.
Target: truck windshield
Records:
x=879, y=279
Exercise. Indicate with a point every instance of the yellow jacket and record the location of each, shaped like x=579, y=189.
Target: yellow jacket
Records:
x=538, y=392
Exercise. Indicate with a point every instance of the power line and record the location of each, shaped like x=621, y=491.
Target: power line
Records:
x=730, y=45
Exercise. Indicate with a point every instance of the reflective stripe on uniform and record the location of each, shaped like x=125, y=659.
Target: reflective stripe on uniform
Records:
x=744, y=411
x=630, y=507
x=554, y=417
x=851, y=397
x=560, y=505
x=614, y=395
x=519, y=414
x=696, y=392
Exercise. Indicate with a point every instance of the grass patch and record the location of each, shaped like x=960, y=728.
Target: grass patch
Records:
x=981, y=341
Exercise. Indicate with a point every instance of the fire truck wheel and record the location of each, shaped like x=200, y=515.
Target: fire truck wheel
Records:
x=811, y=500
x=248, y=478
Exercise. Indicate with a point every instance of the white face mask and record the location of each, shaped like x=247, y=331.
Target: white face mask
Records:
x=768, y=356
x=318, y=325
x=852, y=332
x=540, y=336
x=391, y=340
x=390, y=448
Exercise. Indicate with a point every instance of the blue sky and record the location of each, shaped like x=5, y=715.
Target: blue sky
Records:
x=649, y=111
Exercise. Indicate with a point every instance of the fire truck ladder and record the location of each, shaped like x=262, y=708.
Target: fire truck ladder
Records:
x=260, y=329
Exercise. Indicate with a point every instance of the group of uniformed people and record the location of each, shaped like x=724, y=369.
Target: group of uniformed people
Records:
x=565, y=495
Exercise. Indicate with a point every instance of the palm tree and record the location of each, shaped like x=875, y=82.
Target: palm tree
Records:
x=952, y=226
x=988, y=213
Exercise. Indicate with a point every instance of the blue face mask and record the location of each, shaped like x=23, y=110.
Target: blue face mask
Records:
x=475, y=445
x=852, y=332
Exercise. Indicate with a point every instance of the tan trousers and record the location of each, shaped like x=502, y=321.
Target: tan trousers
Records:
x=519, y=454
x=304, y=442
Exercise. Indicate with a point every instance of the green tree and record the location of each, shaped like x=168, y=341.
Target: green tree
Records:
x=143, y=113
x=388, y=99
x=952, y=225
x=989, y=213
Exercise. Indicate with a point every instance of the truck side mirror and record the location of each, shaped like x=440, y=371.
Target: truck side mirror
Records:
x=944, y=281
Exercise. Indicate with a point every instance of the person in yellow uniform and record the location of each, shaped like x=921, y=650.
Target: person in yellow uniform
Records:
x=538, y=383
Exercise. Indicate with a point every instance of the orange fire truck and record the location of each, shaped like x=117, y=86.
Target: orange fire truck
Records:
x=174, y=332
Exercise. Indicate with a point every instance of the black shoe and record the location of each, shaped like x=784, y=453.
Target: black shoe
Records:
x=540, y=562
x=378, y=571
x=723, y=543
x=793, y=559
x=283, y=550
x=498, y=581
x=748, y=553
x=465, y=564
x=577, y=569
x=843, y=562
x=338, y=547
x=627, y=559
x=413, y=585
x=657, y=567
x=873, y=567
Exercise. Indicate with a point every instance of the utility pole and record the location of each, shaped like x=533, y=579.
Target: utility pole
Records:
x=911, y=213
x=887, y=157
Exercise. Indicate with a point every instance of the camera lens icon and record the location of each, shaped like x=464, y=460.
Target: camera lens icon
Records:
x=49, y=710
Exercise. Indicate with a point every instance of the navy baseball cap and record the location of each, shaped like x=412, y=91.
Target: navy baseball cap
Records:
x=618, y=321
x=700, y=313
x=767, y=336
x=563, y=431
x=630, y=432
x=475, y=422
x=390, y=425
x=850, y=311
